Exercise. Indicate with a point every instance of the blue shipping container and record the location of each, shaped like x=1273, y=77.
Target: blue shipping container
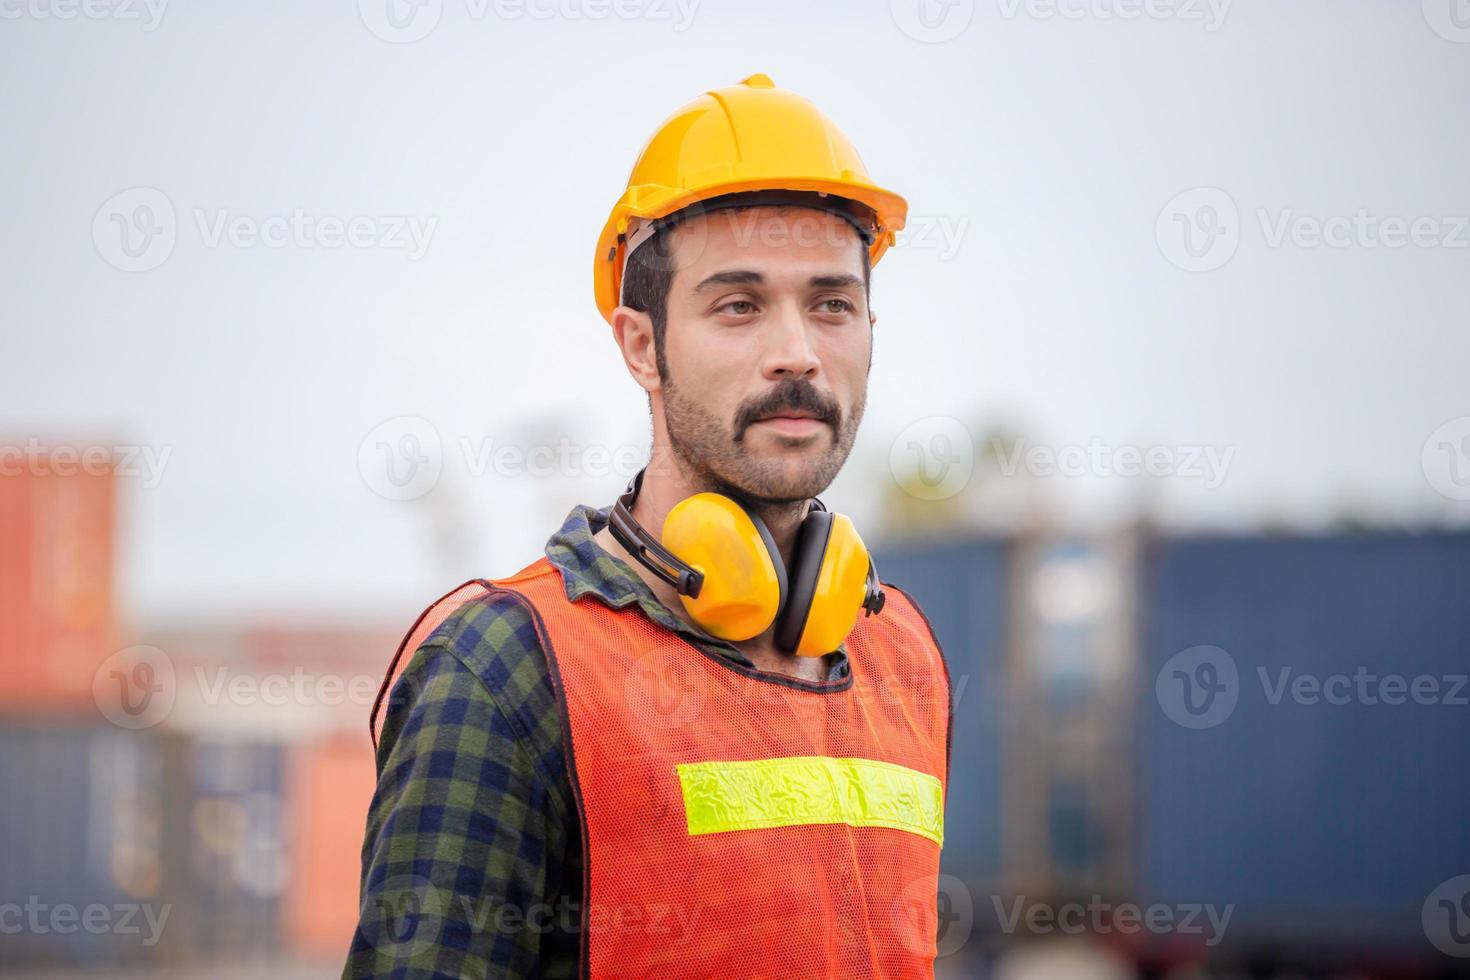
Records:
x=962, y=588
x=1281, y=770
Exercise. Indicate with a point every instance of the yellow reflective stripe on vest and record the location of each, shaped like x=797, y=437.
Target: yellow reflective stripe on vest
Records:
x=810, y=789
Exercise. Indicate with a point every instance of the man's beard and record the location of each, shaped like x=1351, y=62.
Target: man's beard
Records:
x=717, y=457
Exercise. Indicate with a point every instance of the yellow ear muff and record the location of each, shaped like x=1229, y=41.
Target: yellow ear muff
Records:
x=743, y=586
x=841, y=585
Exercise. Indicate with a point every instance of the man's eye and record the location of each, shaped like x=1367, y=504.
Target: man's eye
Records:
x=836, y=305
x=744, y=306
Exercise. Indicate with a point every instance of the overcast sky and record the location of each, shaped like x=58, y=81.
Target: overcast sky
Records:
x=1121, y=234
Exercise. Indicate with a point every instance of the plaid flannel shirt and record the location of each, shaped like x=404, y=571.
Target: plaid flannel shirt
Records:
x=472, y=860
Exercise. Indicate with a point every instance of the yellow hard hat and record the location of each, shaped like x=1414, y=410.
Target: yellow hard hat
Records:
x=748, y=137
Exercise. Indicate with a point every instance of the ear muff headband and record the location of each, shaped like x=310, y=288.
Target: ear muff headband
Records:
x=647, y=550
x=811, y=542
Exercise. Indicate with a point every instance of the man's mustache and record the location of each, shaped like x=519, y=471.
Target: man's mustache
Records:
x=799, y=396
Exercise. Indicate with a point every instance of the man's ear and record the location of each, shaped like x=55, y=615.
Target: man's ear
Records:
x=633, y=331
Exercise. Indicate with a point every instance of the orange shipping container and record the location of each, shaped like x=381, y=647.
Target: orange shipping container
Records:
x=56, y=584
x=331, y=785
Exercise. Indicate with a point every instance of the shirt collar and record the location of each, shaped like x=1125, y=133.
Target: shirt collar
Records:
x=586, y=569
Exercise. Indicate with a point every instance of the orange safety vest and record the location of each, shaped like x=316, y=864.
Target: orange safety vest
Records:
x=739, y=823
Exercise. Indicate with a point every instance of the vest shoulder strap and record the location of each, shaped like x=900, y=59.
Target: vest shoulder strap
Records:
x=916, y=614
x=431, y=618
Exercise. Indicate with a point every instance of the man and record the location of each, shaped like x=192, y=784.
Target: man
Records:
x=687, y=753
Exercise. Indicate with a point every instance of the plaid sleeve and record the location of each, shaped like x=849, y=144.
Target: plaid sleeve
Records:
x=472, y=856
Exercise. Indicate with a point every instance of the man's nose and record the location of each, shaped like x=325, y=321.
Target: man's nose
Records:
x=790, y=352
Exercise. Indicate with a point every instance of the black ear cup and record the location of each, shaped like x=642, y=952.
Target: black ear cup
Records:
x=806, y=564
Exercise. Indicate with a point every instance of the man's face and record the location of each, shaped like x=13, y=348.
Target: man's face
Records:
x=768, y=348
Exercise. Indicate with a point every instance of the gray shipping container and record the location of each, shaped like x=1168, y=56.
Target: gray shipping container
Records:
x=81, y=875
x=230, y=860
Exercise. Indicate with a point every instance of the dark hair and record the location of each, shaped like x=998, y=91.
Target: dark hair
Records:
x=650, y=275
